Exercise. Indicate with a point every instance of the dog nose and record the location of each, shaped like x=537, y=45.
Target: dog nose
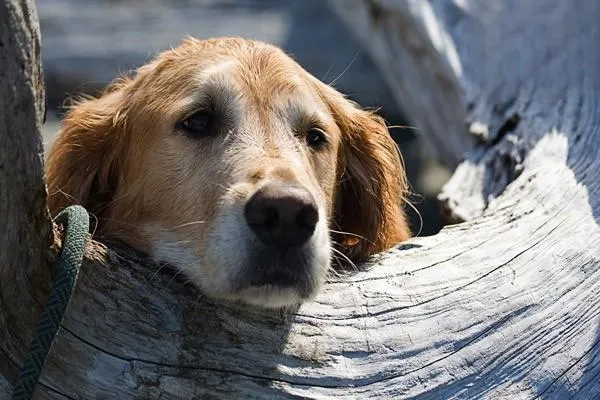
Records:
x=282, y=215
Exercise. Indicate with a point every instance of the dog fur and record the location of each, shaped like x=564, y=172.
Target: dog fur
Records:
x=181, y=199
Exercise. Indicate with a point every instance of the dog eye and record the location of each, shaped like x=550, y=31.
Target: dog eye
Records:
x=197, y=124
x=315, y=138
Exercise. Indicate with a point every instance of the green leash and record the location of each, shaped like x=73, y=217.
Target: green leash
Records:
x=77, y=223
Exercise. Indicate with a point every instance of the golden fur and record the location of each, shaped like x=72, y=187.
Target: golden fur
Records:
x=180, y=198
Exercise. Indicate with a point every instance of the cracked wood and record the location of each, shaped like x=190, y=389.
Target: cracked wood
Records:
x=505, y=305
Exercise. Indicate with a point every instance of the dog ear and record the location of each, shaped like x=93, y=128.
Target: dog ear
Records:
x=82, y=164
x=369, y=202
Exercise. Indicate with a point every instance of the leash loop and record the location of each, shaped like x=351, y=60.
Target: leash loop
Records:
x=77, y=225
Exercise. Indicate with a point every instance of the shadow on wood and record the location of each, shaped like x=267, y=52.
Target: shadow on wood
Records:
x=503, y=305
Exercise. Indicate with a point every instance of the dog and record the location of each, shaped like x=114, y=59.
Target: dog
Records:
x=227, y=160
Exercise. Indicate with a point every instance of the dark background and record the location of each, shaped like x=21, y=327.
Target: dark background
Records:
x=86, y=44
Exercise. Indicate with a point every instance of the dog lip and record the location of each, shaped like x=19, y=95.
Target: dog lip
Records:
x=278, y=278
x=283, y=268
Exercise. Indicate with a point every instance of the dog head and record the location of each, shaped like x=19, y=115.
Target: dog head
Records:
x=229, y=161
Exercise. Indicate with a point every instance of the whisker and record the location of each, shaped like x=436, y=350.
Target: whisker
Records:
x=175, y=242
x=342, y=271
x=160, y=268
x=419, y=215
x=333, y=273
x=339, y=263
x=112, y=201
x=135, y=225
x=187, y=282
x=67, y=195
x=120, y=257
x=414, y=128
x=336, y=259
x=326, y=73
x=346, y=69
x=175, y=275
x=345, y=257
x=196, y=301
x=218, y=184
x=95, y=223
x=188, y=224
x=351, y=234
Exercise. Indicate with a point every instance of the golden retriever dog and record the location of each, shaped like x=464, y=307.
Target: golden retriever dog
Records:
x=227, y=160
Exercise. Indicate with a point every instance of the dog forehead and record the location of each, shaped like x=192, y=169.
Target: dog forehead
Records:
x=244, y=74
x=272, y=81
x=270, y=70
x=256, y=61
x=261, y=70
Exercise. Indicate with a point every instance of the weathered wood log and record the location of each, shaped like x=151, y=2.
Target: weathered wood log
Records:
x=527, y=75
x=505, y=305
x=419, y=60
x=25, y=227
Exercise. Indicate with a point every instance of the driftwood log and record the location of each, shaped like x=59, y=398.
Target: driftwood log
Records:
x=25, y=227
x=505, y=305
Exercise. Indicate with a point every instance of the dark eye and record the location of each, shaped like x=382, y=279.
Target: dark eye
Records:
x=316, y=138
x=197, y=125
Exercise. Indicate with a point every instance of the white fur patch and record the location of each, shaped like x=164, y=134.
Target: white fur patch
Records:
x=228, y=246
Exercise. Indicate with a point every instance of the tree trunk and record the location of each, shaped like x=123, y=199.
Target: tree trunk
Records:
x=25, y=226
x=506, y=305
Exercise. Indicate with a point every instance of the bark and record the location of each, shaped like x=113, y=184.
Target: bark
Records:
x=25, y=227
x=506, y=305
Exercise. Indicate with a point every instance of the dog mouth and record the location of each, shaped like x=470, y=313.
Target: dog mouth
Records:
x=279, y=254
x=276, y=278
x=288, y=268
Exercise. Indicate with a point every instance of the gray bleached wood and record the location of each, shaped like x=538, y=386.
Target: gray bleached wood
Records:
x=506, y=305
x=528, y=77
x=420, y=63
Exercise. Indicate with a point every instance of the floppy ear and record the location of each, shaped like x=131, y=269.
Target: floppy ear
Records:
x=373, y=188
x=83, y=161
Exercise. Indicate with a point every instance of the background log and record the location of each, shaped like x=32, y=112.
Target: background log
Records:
x=25, y=227
x=506, y=305
x=420, y=62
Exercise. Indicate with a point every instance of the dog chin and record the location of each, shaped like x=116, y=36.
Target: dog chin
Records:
x=238, y=268
x=262, y=281
x=269, y=296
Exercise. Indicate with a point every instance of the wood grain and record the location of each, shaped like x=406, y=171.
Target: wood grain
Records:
x=25, y=227
x=528, y=78
x=505, y=305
